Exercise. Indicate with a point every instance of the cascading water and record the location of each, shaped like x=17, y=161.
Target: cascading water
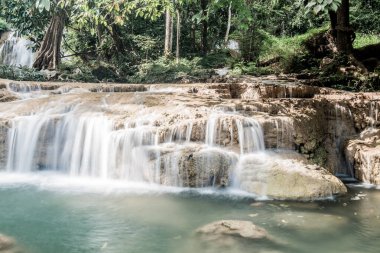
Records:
x=77, y=142
x=15, y=51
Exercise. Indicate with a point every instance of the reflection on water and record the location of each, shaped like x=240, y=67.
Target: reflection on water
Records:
x=54, y=217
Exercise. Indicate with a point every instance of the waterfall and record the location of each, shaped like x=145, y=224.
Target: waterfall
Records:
x=221, y=128
x=73, y=141
x=15, y=51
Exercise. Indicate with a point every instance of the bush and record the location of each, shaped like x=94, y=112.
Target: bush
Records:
x=3, y=26
x=250, y=69
x=218, y=59
x=166, y=70
x=21, y=74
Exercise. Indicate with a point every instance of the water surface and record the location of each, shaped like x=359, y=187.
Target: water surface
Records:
x=53, y=214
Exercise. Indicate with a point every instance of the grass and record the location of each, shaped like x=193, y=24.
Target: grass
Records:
x=363, y=40
x=286, y=46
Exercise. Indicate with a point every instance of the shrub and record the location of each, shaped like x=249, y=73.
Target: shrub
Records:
x=167, y=70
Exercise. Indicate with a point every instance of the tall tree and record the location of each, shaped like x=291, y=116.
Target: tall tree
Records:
x=168, y=32
x=226, y=38
x=344, y=34
x=177, y=55
x=204, y=36
x=49, y=53
x=339, y=13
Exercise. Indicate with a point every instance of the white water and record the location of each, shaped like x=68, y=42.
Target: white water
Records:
x=80, y=143
x=15, y=51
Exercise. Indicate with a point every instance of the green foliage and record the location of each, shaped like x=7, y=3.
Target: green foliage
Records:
x=318, y=6
x=217, y=59
x=25, y=17
x=166, y=70
x=365, y=16
x=3, y=26
x=20, y=74
x=250, y=69
x=293, y=57
x=108, y=40
x=363, y=40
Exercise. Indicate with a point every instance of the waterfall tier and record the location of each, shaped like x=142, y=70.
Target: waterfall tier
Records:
x=184, y=135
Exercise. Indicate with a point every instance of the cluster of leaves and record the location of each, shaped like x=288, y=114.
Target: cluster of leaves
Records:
x=21, y=74
x=365, y=16
x=3, y=26
x=318, y=6
x=166, y=70
x=23, y=15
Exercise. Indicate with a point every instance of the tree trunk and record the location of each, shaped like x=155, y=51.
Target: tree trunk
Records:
x=117, y=38
x=228, y=25
x=178, y=35
x=193, y=38
x=204, y=37
x=333, y=20
x=171, y=33
x=345, y=34
x=48, y=55
x=168, y=34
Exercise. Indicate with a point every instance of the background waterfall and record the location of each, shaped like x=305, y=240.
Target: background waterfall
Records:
x=15, y=51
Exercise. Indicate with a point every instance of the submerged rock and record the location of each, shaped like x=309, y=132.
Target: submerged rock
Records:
x=7, y=244
x=290, y=179
x=236, y=228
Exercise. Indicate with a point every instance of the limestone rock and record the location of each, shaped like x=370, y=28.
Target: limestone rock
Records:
x=364, y=155
x=197, y=167
x=235, y=228
x=287, y=178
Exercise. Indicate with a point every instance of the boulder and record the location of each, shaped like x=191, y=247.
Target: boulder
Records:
x=289, y=177
x=233, y=228
x=194, y=166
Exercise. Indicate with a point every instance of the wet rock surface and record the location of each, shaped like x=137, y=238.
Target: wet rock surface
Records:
x=232, y=228
x=7, y=244
x=195, y=134
x=364, y=155
x=283, y=177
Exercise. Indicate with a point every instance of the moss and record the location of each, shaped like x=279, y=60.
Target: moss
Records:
x=320, y=156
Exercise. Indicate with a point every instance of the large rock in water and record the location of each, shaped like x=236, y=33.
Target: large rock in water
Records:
x=364, y=155
x=236, y=228
x=290, y=178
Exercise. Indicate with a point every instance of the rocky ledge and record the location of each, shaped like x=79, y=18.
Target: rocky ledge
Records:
x=277, y=138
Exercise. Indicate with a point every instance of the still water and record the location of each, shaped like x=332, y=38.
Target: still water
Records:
x=49, y=214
